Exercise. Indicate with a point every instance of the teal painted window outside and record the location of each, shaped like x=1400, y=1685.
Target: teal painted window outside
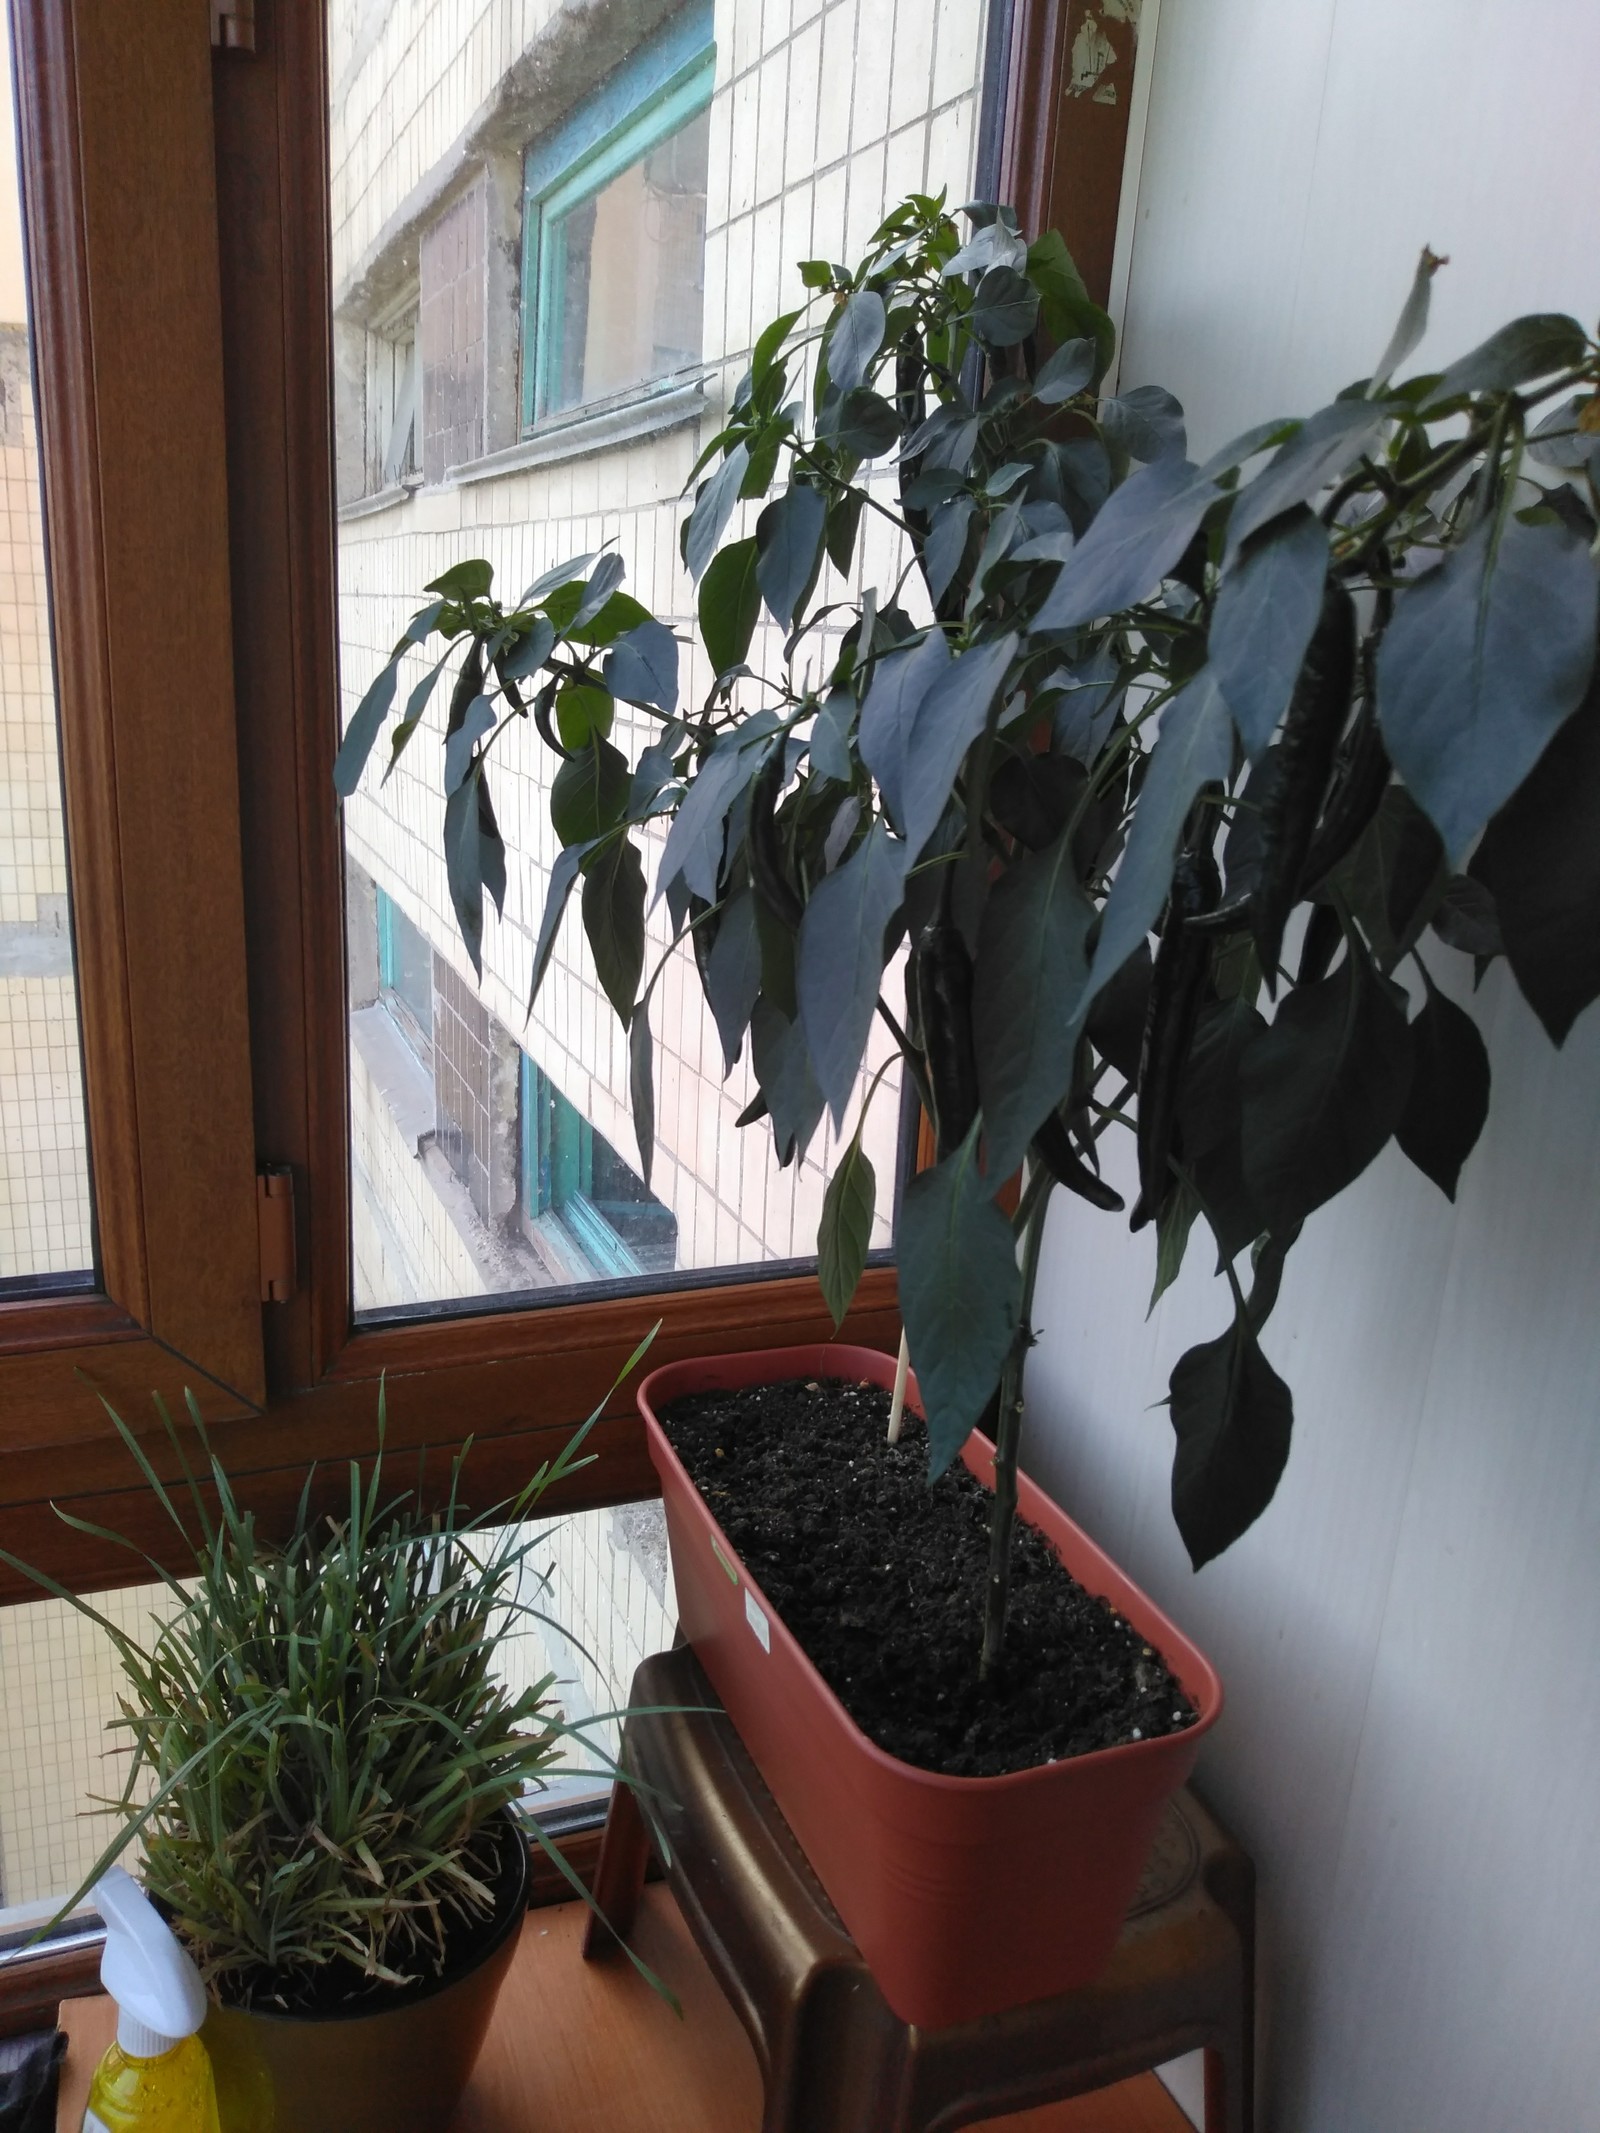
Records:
x=405, y=974
x=593, y=1214
x=614, y=228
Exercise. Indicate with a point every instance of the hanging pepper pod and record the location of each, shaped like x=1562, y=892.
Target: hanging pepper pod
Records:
x=543, y=704
x=1052, y=1144
x=942, y=974
x=1354, y=801
x=469, y=686
x=1311, y=732
x=762, y=841
x=1177, y=985
x=1320, y=946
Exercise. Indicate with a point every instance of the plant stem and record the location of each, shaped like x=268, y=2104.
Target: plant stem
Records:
x=1007, y=1440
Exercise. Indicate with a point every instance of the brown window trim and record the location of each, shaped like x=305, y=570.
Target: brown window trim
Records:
x=515, y=1380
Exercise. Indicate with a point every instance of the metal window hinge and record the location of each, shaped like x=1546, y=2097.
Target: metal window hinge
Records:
x=275, y=1224
x=233, y=25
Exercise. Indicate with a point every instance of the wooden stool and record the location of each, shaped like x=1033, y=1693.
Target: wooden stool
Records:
x=834, y=2057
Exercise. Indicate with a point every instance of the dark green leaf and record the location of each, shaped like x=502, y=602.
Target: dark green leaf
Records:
x=816, y=274
x=856, y=337
x=733, y=974
x=695, y=840
x=783, y=1070
x=617, y=615
x=590, y=793
x=491, y=846
x=1065, y=373
x=1211, y=1122
x=1540, y=859
x=478, y=721
x=1484, y=659
x=712, y=510
x=1322, y=1088
x=1528, y=348
x=789, y=543
x=562, y=876
x=1394, y=877
x=960, y=1295
x=1027, y=1007
x=1267, y=607
x=864, y=423
x=642, y=666
x=830, y=737
x=416, y=704
x=608, y=574
x=846, y=1231
x=772, y=338
x=1194, y=748
x=900, y=681
x=840, y=958
x=463, y=860
x=470, y=580
x=362, y=730
x=1466, y=917
x=1005, y=308
x=1233, y=1416
x=1146, y=423
x=1068, y=311
x=1091, y=694
x=1449, y=1098
x=1116, y=1020
x=1173, y=1225
x=583, y=713
x=943, y=726
x=844, y=517
x=530, y=651
x=1323, y=448
x=613, y=918
x=654, y=771
x=946, y=545
x=1138, y=536
x=730, y=604
x=642, y=1088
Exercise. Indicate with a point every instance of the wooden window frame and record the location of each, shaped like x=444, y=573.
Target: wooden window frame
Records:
x=205, y=848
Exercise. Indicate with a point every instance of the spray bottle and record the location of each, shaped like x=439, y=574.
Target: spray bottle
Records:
x=156, y=2078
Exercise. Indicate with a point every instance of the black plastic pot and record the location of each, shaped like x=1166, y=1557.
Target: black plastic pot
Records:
x=396, y=2064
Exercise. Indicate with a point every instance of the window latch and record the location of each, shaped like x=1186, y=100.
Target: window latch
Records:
x=233, y=25
x=275, y=1226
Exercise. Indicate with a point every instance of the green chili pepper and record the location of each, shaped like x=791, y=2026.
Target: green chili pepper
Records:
x=942, y=973
x=762, y=841
x=1311, y=732
x=1361, y=783
x=1052, y=1144
x=1320, y=946
x=1177, y=985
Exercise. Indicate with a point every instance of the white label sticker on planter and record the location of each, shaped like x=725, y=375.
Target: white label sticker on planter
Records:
x=757, y=1619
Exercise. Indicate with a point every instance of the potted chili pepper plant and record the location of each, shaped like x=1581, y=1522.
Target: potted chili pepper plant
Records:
x=1163, y=783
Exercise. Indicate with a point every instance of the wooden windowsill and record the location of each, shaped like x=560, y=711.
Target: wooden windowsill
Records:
x=590, y=2048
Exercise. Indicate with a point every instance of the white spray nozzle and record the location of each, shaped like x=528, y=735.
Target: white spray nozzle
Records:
x=152, y=1979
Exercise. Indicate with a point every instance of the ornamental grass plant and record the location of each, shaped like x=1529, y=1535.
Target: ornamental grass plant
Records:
x=323, y=1743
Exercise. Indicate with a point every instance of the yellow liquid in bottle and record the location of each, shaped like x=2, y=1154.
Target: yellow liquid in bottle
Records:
x=172, y=2094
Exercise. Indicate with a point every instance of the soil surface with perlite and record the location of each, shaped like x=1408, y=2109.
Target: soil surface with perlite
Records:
x=881, y=1577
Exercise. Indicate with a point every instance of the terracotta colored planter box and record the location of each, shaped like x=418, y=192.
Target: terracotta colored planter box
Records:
x=967, y=1896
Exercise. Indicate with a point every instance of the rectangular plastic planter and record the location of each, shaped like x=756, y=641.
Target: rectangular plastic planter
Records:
x=967, y=1896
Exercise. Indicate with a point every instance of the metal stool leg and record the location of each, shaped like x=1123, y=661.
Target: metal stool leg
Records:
x=619, y=1873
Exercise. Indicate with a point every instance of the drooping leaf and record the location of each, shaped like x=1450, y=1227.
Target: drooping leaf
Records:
x=1233, y=1416
x=491, y=846
x=642, y=1087
x=1528, y=348
x=463, y=862
x=1173, y=1225
x=613, y=918
x=478, y=720
x=946, y=545
x=1322, y=1089
x=713, y=508
x=1324, y=447
x=589, y=793
x=1131, y=546
x=1484, y=659
x=1065, y=373
x=563, y=874
x=1449, y=1098
x=1211, y=1122
x=1028, y=987
x=1466, y=917
x=1393, y=878
x=830, y=737
x=619, y=614
x=960, y=1294
x=783, y=1068
x=695, y=840
x=994, y=245
x=944, y=724
x=730, y=603
x=416, y=704
x=789, y=543
x=839, y=964
x=1267, y=606
x=1540, y=859
x=844, y=518
x=1091, y=695
x=856, y=338
x=528, y=653
x=1068, y=311
x=642, y=666
x=551, y=580
x=846, y=1230
x=607, y=575
x=1005, y=308
x=1115, y=1026
x=900, y=681
x=1146, y=423
x=362, y=731
x=733, y=974
x=1194, y=748
x=1412, y=323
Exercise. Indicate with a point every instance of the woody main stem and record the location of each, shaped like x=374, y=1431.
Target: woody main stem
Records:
x=1008, y=1437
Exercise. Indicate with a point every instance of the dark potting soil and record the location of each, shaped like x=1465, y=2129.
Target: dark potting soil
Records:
x=881, y=1578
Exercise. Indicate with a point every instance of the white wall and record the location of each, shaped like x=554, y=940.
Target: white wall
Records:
x=1411, y=1636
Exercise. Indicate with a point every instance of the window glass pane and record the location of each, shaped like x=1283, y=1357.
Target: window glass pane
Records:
x=601, y=1577
x=46, y=1236
x=583, y=237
